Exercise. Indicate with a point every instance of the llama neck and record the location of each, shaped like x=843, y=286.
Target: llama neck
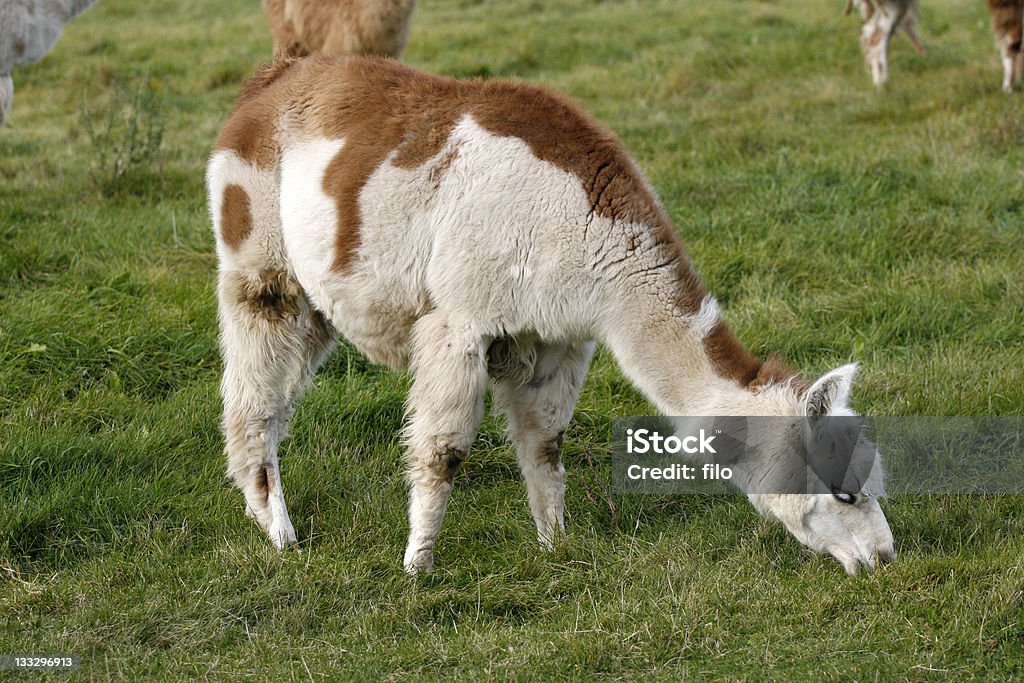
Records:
x=671, y=341
x=668, y=361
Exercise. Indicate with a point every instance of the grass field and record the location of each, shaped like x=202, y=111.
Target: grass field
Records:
x=833, y=222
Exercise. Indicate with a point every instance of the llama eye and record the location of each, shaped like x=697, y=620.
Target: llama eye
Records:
x=843, y=497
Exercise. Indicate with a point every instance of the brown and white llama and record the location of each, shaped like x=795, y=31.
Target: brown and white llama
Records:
x=339, y=27
x=1007, y=24
x=882, y=19
x=28, y=30
x=471, y=231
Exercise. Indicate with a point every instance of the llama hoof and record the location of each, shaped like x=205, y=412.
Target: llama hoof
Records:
x=282, y=535
x=549, y=543
x=421, y=562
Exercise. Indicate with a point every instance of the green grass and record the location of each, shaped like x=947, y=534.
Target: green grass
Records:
x=834, y=223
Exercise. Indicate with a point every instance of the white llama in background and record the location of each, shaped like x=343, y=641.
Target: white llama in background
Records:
x=471, y=231
x=882, y=19
x=28, y=30
x=339, y=27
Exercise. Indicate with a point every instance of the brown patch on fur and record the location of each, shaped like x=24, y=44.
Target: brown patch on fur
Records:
x=273, y=294
x=235, y=216
x=874, y=39
x=774, y=371
x=339, y=27
x=551, y=452
x=1007, y=18
x=19, y=47
x=378, y=107
x=251, y=131
x=452, y=459
x=732, y=361
x=262, y=482
x=729, y=357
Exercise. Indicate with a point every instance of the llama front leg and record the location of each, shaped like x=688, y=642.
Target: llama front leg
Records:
x=915, y=40
x=538, y=413
x=446, y=404
x=875, y=37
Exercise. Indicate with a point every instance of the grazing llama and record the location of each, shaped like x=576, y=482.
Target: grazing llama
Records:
x=339, y=27
x=1007, y=24
x=28, y=30
x=470, y=230
x=882, y=19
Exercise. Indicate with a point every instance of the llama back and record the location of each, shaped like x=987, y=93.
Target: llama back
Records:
x=461, y=191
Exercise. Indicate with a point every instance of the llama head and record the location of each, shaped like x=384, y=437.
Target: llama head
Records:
x=842, y=516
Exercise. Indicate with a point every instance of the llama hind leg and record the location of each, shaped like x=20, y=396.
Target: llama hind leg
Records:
x=272, y=341
x=538, y=411
x=445, y=406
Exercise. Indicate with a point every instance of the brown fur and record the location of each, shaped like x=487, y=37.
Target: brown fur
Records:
x=730, y=358
x=732, y=361
x=272, y=294
x=235, y=216
x=262, y=482
x=339, y=27
x=252, y=129
x=1007, y=23
x=551, y=452
x=775, y=371
x=453, y=459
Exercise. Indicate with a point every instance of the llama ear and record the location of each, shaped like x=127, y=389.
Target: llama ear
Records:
x=830, y=392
